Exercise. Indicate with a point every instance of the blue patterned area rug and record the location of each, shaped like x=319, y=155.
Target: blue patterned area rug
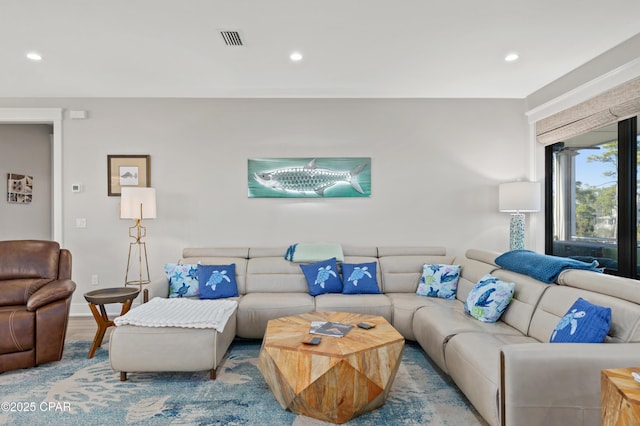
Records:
x=81, y=391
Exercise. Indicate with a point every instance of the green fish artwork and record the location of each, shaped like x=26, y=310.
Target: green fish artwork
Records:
x=315, y=177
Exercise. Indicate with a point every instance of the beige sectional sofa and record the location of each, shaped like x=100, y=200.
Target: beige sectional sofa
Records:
x=507, y=369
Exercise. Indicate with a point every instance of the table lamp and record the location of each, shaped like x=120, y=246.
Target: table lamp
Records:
x=518, y=198
x=137, y=204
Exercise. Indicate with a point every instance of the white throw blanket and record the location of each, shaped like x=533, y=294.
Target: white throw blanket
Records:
x=179, y=312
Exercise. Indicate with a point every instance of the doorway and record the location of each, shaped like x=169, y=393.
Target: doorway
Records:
x=52, y=117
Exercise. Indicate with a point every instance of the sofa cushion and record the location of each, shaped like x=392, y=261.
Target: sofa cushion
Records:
x=217, y=281
x=473, y=362
x=439, y=280
x=183, y=279
x=370, y=304
x=274, y=275
x=471, y=271
x=404, y=306
x=401, y=273
x=440, y=320
x=489, y=298
x=556, y=301
x=360, y=278
x=256, y=309
x=323, y=277
x=584, y=322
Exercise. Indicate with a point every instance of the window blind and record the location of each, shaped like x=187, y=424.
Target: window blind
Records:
x=607, y=108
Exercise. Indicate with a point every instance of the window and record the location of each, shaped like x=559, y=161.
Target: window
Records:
x=592, y=197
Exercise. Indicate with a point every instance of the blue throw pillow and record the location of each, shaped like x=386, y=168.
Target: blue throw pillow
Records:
x=489, y=298
x=439, y=280
x=322, y=277
x=217, y=281
x=584, y=322
x=359, y=278
x=183, y=279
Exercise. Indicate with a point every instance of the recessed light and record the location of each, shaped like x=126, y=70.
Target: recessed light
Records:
x=511, y=57
x=34, y=56
x=296, y=56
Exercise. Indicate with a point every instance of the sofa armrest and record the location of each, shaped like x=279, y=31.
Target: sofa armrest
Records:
x=547, y=383
x=158, y=288
x=55, y=290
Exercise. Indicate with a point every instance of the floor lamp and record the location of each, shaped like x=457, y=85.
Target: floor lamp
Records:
x=137, y=204
x=518, y=198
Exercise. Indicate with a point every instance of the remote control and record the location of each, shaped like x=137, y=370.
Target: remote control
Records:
x=366, y=325
x=312, y=341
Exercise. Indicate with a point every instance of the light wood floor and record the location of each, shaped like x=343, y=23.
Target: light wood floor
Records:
x=84, y=328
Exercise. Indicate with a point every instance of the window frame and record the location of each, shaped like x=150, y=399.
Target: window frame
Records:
x=627, y=198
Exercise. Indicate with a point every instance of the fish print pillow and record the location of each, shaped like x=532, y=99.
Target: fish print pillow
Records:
x=183, y=279
x=359, y=278
x=439, y=280
x=217, y=281
x=322, y=277
x=584, y=322
x=489, y=298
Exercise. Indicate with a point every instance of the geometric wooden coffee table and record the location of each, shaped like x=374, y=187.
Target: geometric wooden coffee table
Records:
x=337, y=380
x=620, y=395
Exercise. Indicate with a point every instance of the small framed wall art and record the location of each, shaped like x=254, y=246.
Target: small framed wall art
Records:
x=127, y=170
x=19, y=188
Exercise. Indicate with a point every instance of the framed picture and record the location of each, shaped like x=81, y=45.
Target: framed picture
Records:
x=127, y=170
x=309, y=177
x=19, y=188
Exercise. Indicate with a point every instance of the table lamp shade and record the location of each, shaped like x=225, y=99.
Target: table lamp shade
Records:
x=131, y=200
x=519, y=197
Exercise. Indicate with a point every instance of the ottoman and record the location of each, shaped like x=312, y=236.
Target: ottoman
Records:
x=146, y=349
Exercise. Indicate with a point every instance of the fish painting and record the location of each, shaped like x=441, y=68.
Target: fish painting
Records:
x=309, y=179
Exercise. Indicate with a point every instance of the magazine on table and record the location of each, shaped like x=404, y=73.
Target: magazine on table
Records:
x=334, y=329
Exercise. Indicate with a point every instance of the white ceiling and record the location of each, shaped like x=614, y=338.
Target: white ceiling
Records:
x=351, y=48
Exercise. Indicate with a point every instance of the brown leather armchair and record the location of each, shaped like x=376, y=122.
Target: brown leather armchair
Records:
x=35, y=298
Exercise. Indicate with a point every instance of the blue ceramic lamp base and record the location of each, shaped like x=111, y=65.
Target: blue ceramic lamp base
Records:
x=516, y=231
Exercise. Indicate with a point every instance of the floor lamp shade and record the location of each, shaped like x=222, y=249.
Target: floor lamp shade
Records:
x=138, y=204
x=518, y=198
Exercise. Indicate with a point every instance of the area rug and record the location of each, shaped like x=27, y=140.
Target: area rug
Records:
x=81, y=391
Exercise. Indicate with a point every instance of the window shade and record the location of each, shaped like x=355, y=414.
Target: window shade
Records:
x=607, y=108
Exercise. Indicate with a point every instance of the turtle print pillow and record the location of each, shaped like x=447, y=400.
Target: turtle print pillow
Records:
x=584, y=322
x=217, y=281
x=183, y=279
x=489, y=298
x=359, y=278
x=439, y=280
x=322, y=277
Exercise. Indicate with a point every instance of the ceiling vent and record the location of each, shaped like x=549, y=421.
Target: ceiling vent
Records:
x=231, y=38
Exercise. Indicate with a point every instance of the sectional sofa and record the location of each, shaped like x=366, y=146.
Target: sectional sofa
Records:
x=507, y=369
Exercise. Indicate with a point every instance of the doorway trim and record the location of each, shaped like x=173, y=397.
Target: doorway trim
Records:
x=51, y=116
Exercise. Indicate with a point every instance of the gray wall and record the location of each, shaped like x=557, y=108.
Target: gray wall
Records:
x=26, y=149
x=436, y=166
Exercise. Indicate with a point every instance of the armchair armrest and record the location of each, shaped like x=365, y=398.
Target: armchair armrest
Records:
x=548, y=383
x=55, y=290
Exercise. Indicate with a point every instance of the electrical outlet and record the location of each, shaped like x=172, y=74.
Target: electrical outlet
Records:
x=81, y=222
x=95, y=280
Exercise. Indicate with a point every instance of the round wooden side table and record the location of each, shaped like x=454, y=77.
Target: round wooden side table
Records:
x=97, y=299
